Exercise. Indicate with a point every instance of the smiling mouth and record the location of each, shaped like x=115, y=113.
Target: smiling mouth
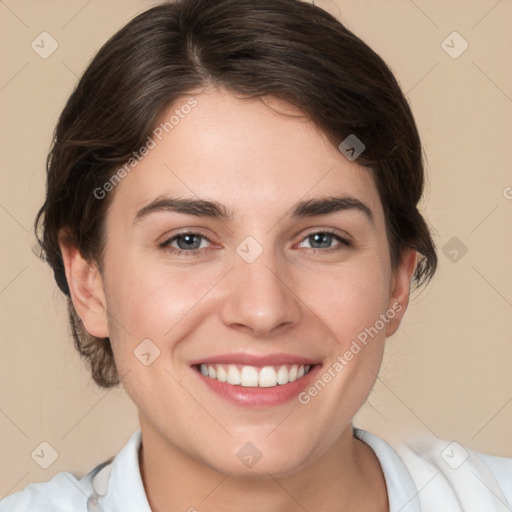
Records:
x=253, y=376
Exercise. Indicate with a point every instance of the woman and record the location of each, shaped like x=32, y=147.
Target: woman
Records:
x=232, y=212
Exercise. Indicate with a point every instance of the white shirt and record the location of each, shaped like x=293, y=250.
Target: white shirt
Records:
x=431, y=475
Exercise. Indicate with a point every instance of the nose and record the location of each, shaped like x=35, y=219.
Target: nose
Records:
x=259, y=297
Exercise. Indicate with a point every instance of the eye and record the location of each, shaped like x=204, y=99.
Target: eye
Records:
x=185, y=242
x=194, y=244
x=323, y=239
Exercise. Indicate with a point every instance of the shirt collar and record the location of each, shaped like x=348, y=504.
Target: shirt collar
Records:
x=113, y=481
x=123, y=482
x=402, y=492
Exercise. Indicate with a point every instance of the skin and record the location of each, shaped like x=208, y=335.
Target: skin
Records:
x=291, y=299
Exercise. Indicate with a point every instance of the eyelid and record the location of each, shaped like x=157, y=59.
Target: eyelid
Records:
x=331, y=231
x=187, y=231
x=167, y=237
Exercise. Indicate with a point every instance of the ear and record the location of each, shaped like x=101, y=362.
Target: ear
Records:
x=400, y=290
x=86, y=288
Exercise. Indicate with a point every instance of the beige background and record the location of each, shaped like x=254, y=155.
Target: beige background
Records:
x=448, y=372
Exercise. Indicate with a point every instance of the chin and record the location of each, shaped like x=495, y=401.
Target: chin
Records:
x=247, y=461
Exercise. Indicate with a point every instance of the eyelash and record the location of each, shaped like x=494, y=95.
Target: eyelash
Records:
x=197, y=252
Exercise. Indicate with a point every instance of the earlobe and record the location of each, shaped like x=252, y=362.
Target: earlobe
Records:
x=85, y=287
x=400, y=289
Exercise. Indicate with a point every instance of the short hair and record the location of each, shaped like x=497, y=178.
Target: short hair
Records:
x=287, y=49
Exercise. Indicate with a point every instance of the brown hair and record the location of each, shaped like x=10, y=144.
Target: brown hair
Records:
x=287, y=49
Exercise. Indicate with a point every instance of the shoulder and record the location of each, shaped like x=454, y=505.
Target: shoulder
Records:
x=501, y=468
x=63, y=493
x=114, y=485
x=428, y=474
x=446, y=472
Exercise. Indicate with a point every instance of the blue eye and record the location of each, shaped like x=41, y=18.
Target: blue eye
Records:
x=191, y=244
x=323, y=240
x=186, y=242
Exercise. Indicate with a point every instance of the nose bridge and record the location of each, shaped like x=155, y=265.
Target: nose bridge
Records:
x=259, y=296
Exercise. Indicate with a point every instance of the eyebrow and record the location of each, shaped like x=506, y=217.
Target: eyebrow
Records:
x=213, y=209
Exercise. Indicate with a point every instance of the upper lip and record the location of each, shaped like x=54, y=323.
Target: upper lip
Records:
x=255, y=360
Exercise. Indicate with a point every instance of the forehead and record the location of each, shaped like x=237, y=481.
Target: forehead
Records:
x=253, y=156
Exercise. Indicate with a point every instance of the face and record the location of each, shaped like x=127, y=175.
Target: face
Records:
x=275, y=282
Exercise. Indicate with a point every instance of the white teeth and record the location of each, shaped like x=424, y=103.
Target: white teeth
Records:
x=222, y=376
x=282, y=375
x=268, y=377
x=233, y=375
x=250, y=376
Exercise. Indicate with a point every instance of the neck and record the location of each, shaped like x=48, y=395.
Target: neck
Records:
x=346, y=478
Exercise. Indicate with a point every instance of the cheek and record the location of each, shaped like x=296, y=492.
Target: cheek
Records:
x=351, y=306
x=348, y=299
x=149, y=312
x=153, y=302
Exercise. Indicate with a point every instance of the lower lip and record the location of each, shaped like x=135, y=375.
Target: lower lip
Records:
x=259, y=397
